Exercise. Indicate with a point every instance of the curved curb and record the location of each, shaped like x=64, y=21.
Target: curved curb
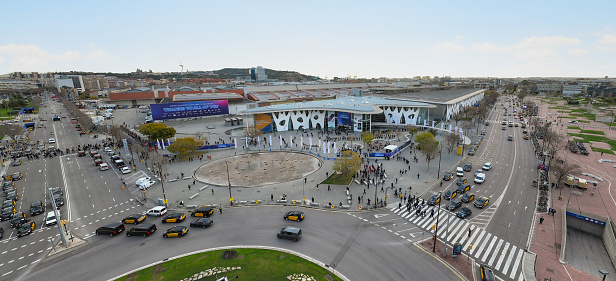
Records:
x=335, y=272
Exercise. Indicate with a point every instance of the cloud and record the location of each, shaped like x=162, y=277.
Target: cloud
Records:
x=98, y=56
x=449, y=48
x=487, y=48
x=2, y=60
x=577, y=52
x=606, y=43
x=32, y=57
x=532, y=48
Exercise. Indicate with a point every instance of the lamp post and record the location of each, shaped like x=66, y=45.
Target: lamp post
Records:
x=440, y=154
x=229, y=182
x=438, y=212
x=447, y=230
x=162, y=181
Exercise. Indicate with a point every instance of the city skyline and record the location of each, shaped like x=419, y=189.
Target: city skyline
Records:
x=325, y=39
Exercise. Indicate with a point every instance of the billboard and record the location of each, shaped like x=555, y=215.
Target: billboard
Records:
x=189, y=109
x=263, y=122
x=344, y=119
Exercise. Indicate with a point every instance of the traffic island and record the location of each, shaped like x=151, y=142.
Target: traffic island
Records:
x=461, y=265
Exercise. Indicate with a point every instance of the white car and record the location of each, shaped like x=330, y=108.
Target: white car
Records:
x=103, y=166
x=51, y=218
x=487, y=166
x=480, y=178
x=146, y=184
x=125, y=170
x=459, y=172
x=108, y=150
x=52, y=140
x=157, y=211
x=142, y=180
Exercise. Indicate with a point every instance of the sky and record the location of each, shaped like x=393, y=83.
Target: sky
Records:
x=364, y=39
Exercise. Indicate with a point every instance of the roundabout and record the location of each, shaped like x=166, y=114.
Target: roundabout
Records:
x=258, y=169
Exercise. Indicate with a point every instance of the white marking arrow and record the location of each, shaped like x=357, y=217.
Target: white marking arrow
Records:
x=380, y=215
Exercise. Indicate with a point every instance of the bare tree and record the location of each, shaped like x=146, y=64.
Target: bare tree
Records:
x=252, y=132
x=12, y=130
x=457, y=117
x=430, y=150
x=561, y=170
x=451, y=141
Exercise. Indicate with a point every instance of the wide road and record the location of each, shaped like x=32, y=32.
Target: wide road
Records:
x=359, y=248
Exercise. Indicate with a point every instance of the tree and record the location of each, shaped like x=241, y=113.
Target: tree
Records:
x=183, y=146
x=412, y=131
x=252, y=132
x=156, y=131
x=429, y=149
x=424, y=137
x=348, y=163
x=116, y=133
x=367, y=137
x=457, y=117
x=11, y=130
x=561, y=171
x=451, y=141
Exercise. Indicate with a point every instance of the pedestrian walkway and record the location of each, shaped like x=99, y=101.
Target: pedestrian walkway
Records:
x=486, y=248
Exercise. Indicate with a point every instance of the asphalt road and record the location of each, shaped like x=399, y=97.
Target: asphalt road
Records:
x=359, y=248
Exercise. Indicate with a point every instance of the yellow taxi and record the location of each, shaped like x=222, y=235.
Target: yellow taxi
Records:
x=177, y=231
x=294, y=215
x=482, y=202
x=525, y=137
x=174, y=217
x=134, y=219
x=434, y=199
x=202, y=212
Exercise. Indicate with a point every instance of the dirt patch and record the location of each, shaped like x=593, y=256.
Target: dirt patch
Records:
x=157, y=269
x=461, y=263
x=257, y=169
x=600, y=145
x=131, y=277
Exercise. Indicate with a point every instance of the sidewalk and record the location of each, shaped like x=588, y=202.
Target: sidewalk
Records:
x=547, y=237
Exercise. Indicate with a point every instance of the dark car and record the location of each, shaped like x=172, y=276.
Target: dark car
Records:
x=111, y=229
x=468, y=197
x=174, y=217
x=1, y=232
x=461, y=181
x=7, y=213
x=434, y=199
x=468, y=167
x=486, y=273
x=26, y=228
x=8, y=190
x=8, y=184
x=177, y=231
x=12, y=196
x=450, y=194
x=37, y=208
x=17, y=219
x=97, y=161
x=81, y=153
x=291, y=233
x=134, y=219
x=464, y=212
x=8, y=203
x=294, y=215
x=447, y=176
x=59, y=201
x=202, y=212
x=510, y=138
x=463, y=188
x=481, y=202
x=202, y=222
x=454, y=204
x=144, y=230
x=57, y=191
x=17, y=176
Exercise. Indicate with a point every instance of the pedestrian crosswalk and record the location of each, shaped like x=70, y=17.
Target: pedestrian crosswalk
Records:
x=484, y=247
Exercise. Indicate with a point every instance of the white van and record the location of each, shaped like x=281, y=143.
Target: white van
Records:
x=480, y=178
x=157, y=211
x=459, y=172
x=51, y=218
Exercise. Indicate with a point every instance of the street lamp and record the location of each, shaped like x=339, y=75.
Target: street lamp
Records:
x=447, y=230
x=229, y=181
x=162, y=181
x=438, y=212
x=604, y=272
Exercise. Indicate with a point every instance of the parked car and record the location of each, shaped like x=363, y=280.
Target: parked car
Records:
x=291, y=233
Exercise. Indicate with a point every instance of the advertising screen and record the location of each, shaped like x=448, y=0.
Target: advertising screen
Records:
x=189, y=109
x=344, y=119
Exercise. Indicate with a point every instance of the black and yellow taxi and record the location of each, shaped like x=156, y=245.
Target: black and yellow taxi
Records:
x=174, y=217
x=134, y=219
x=17, y=219
x=482, y=202
x=12, y=196
x=26, y=228
x=463, y=188
x=7, y=213
x=9, y=203
x=8, y=190
x=177, y=231
x=202, y=212
x=8, y=184
x=486, y=273
x=449, y=194
x=434, y=199
x=294, y=216
x=447, y=176
x=468, y=197
x=461, y=181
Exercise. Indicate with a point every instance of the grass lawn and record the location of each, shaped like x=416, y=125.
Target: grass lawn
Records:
x=256, y=264
x=588, y=138
x=588, y=116
x=339, y=179
x=573, y=127
x=578, y=110
x=592, y=132
x=602, y=150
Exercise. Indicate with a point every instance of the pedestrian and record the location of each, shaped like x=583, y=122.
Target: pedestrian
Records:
x=312, y=199
x=469, y=232
x=212, y=191
x=431, y=213
x=417, y=175
x=182, y=174
x=541, y=220
x=189, y=187
x=220, y=209
x=329, y=188
x=194, y=182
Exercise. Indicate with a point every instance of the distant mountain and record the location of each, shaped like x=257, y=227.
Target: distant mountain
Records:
x=290, y=76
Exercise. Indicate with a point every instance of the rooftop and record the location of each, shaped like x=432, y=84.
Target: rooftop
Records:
x=437, y=96
x=368, y=105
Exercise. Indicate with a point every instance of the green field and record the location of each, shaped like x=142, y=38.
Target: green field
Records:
x=592, y=132
x=602, y=150
x=578, y=110
x=338, y=179
x=589, y=138
x=255, y=264
x=588, y=116
x=573, y=127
